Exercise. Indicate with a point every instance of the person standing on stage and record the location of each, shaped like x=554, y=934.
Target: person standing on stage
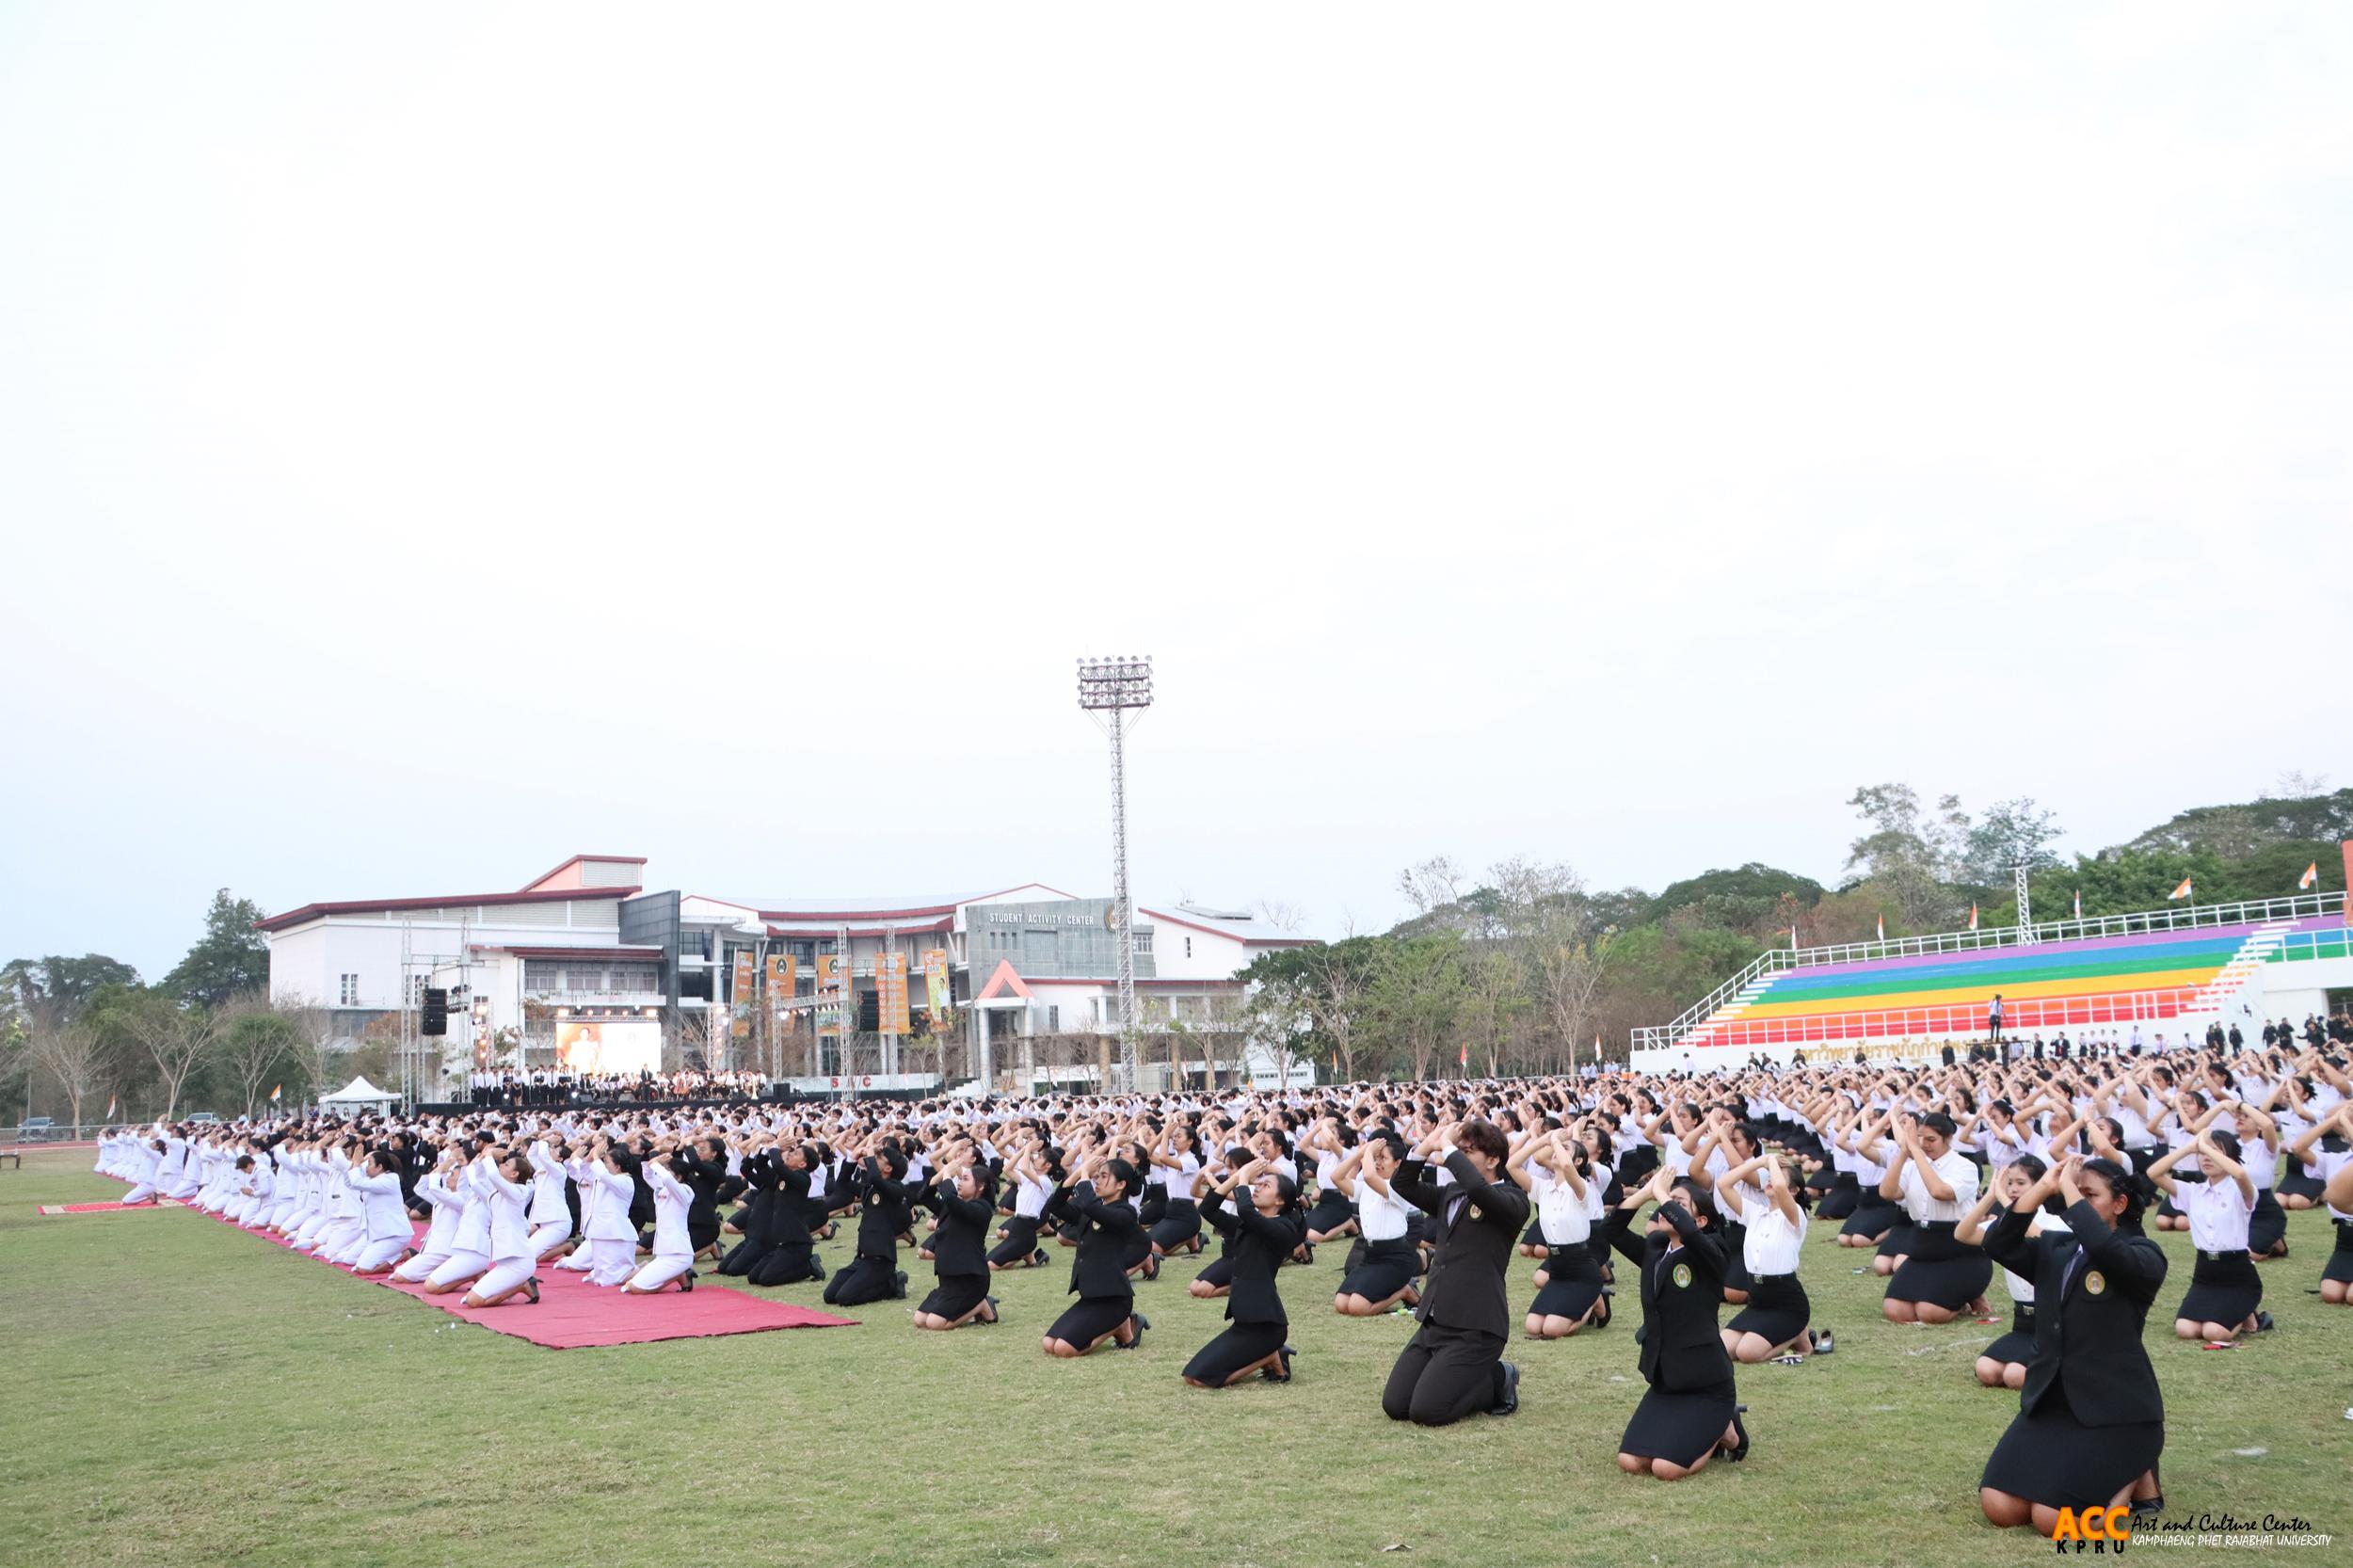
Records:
x=1454, y=1365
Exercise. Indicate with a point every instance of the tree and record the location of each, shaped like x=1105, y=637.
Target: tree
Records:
x=71, y=1053
x=229, y=958
x=1281, y=915
x=1431, y=885
x=1740, y=899
x=1419, y=998
x=1909, y=852
x=314, y=1042
x=59, y=986
x=177, y=1039
x=1275, y=1014
x=257, y=1044
x=2012, y=831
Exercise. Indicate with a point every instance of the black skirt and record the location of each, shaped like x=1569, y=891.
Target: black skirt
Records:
x=1237, y=1348
x=1872, y=1214
x=2267, y=1226
x=1736, y=1242
x=1090, y=1317
x=2016, y=1347
x=1899, y=1238
x=1220, y=1272
x=1019, y=1242
x=2295, y=1184
x=1679, y=1428
x=1386, y=1268
x=2339, y=1264
x=1939, y=1269
x=2222, y=1289
x=1839, y=1202
x=1778, y=1310
x=1572, y=1283
x=1332, y=1211
x=955, y=1295
x=1181, y=1224
x=2049, y=1457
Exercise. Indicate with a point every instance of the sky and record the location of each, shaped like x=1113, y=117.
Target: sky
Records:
x=438, y=440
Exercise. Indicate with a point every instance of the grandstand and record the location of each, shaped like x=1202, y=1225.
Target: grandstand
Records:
x=2174, y=969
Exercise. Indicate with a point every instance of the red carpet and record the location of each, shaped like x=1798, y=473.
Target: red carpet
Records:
x=105, y=1208
x=572, y=1313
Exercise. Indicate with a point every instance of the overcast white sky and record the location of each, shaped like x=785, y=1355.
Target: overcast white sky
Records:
x=437, y=439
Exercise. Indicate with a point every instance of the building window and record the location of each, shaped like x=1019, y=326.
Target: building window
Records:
x=1143, y=941
x=347, y=991
x=1189, y=946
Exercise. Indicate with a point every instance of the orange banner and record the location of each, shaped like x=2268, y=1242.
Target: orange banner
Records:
x=2348, y=882
x=784, y=978
x=747, y=992
x=891, y=994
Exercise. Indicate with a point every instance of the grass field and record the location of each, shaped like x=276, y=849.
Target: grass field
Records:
x=182, y=1394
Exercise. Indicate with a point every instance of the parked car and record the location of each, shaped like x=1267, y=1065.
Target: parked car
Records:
x=202, y=1118
x=39, y=1130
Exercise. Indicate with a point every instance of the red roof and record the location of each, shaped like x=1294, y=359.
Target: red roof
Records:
x=634, y=956
x=576, y=859
x=446, y=901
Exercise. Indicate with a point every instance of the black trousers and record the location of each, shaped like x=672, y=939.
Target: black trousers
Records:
x=788, y=1263
x=867, y=1279
x=1444, y=1374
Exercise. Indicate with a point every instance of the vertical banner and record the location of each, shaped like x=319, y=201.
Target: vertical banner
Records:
x=745, y=993
x=829, y=993
x=784, y=979
x=2348, y=882
x=891, y=994
x=935, y=991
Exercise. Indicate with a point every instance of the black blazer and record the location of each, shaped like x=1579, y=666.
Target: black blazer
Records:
x=1682, y=1347
x=960, y=1245
x=1100, y=1270
x=762, y=1172
x=884, y=1211
x=2087, y=1341
x=1258, y=1246
x=1465, y=1285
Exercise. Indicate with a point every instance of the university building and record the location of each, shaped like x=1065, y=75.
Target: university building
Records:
x=1011, y=988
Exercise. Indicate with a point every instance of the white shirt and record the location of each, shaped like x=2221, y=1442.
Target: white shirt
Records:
x=1381, y=1218
x=1774, y=1242
x=1959, y=1174
x=1563, y=1214
x=2218, y=1211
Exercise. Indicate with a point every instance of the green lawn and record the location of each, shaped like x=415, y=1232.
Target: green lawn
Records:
x=186, y=1395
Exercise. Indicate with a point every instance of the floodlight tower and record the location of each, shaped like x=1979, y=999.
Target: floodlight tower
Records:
x=2025, y=917
x=1111, y=687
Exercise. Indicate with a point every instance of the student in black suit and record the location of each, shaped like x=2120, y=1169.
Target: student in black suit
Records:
x=2090, y=1422
x=873, y=1274
x=1264, y=1233
x=1097, y=1200
x=1692, y=1411
x=964, y=1196
x=1454, y=1365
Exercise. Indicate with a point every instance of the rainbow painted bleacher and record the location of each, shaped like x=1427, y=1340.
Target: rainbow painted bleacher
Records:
x=2124, y=969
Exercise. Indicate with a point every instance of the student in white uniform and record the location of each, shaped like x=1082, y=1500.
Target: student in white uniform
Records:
x=504, y=1182
x=1556, y=1172
x=2003, y=1362
x=673, y=1253
x=612, y=1240
x=383, y=1217
x=2225, y=1291
x=1383, y=1279
x=1939, y=1278
x=441, y=1232
x=549, y=1214
x=470, y=1252
x=1776, y=1322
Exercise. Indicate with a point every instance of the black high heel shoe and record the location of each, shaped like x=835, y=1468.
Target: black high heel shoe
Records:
x=1740, y=1451
x=1285, y=1375
x=686, y=1280
x=531, y=1288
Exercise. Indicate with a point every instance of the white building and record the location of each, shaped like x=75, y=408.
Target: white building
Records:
x=1021, y=965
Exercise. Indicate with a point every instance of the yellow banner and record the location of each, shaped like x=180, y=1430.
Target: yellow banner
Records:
x=891, y=994
x=936, y=981
x=784, y=978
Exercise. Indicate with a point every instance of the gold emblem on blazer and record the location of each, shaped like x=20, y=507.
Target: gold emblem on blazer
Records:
x=2094, y=1283
x=1683, y=1276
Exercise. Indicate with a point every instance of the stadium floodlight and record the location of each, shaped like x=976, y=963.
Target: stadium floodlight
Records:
x=1112, y=687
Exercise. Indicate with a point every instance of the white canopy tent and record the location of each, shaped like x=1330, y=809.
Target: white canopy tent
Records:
x=358, y=1095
